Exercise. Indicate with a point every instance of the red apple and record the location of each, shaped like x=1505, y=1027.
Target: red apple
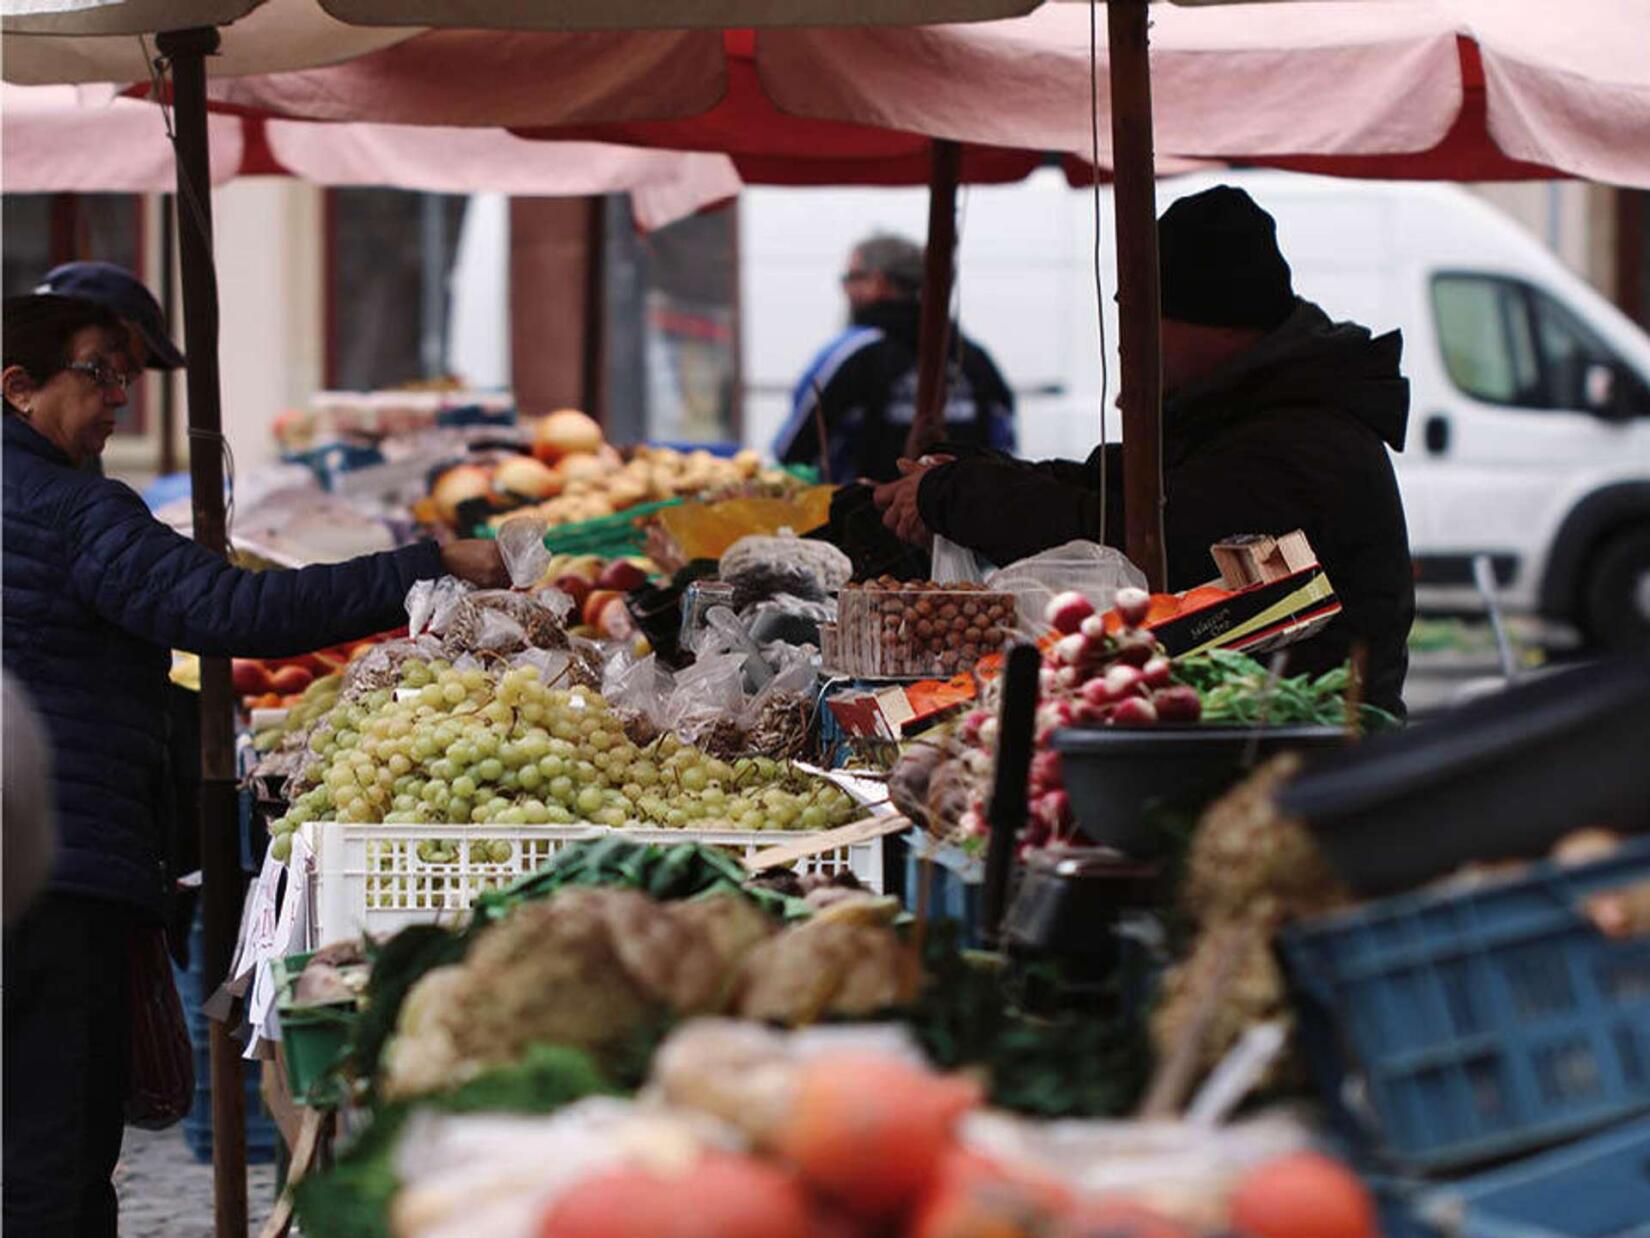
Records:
x=290, y=680
x=249, y=677
x=613, y=620
x=621, y=576
x=596, y=602
x=575, y=587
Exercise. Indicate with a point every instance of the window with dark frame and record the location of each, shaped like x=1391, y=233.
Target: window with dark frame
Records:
x=389, y=261
x=45, y=230
x=1506, y=342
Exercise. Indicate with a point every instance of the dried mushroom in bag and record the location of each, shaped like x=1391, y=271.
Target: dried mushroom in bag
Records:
x=467, y=626
x=382, y=666
x=430, y=603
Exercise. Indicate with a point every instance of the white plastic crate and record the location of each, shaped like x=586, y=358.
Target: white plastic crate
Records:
x=370, y=879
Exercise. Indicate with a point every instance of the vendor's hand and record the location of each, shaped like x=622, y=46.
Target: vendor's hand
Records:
x=897, y=500
x=477, y=560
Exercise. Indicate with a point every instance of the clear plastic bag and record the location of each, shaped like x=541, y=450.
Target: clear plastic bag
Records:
x=643, y=686
x=380, y=666
x=710, y=690
x=499, y=633
x=472, y=623
x=1095, y=571
x=579, y=665
x=821, y=560
x=430, y=604
x=521, y=543
x=795, y=673
x=949, y=563
x=556, y=602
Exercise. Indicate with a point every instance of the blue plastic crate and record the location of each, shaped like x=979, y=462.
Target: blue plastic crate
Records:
x=1478, y=1024
x=1598, y=1187
x=954, y=885
x=261, y=1135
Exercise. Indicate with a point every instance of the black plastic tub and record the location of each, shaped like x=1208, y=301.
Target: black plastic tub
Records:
x=1123, y=780
x=1504, y=777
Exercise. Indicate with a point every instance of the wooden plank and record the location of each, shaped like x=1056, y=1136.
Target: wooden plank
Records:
x=863, y=830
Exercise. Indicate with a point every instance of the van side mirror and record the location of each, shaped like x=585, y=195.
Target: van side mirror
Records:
x=1610, y=392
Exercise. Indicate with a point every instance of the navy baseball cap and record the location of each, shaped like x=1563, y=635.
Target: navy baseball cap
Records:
x=117, y=289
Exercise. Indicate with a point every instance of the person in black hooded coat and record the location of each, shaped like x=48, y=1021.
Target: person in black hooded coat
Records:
x=1275, y=418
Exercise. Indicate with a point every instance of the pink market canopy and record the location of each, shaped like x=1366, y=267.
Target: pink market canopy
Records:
x=64, y=139
x=1446, y=89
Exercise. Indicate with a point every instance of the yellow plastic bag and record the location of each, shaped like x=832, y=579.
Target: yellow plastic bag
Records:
x=706, y=530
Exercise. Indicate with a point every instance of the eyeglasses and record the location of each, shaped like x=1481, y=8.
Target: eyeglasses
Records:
x=103, y=374
x=854, y=277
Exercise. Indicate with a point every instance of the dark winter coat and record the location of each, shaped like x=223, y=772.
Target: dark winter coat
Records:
x=96, y=593
x=868, y=378
x=1292, y=434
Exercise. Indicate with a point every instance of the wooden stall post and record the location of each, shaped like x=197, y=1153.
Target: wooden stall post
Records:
x=938, y=272
x=1134, y=173
x=186, y=50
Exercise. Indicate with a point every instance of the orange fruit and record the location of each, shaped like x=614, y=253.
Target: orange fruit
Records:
x=1303, y=1195
x=869, y=1131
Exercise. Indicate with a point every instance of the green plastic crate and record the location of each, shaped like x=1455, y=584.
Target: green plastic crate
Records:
x=311, y=1036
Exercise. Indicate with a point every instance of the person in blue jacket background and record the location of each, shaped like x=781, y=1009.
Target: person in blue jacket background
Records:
x=862, y=386
x=96, y=592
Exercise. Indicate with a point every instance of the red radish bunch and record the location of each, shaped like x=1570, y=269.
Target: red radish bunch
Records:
x=1089, y=677
x=1120, y=678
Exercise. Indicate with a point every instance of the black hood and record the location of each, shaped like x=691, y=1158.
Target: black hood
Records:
x=896, y=319
x=1308, y=360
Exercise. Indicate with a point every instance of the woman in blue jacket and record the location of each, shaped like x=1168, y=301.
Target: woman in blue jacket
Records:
x=96, y=594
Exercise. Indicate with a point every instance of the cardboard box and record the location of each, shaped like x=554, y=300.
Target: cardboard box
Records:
x=1255, y=619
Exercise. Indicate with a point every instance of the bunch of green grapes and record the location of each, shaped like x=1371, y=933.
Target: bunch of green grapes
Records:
x=462, y=747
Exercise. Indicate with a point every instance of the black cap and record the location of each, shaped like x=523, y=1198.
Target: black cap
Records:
x=1219, y=262
x=119, y=290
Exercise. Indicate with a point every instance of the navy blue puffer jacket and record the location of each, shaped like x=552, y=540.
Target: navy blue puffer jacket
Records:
x=96, y=591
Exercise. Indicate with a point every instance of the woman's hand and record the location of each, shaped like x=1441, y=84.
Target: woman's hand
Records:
x=477, y=560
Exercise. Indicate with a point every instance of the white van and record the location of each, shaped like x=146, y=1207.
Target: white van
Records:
x=1529, y=432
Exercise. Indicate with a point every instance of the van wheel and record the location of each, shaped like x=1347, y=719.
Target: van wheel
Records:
x=1618, y=592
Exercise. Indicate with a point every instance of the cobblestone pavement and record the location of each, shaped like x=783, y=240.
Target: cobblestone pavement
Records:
x=166, y=1193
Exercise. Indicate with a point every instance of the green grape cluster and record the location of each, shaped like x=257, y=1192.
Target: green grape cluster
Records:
x=463, y=747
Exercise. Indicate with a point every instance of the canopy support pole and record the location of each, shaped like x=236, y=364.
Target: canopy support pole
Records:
x=938, y=272
x=593, y=345
x=1140, y=388
x=220, y=847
